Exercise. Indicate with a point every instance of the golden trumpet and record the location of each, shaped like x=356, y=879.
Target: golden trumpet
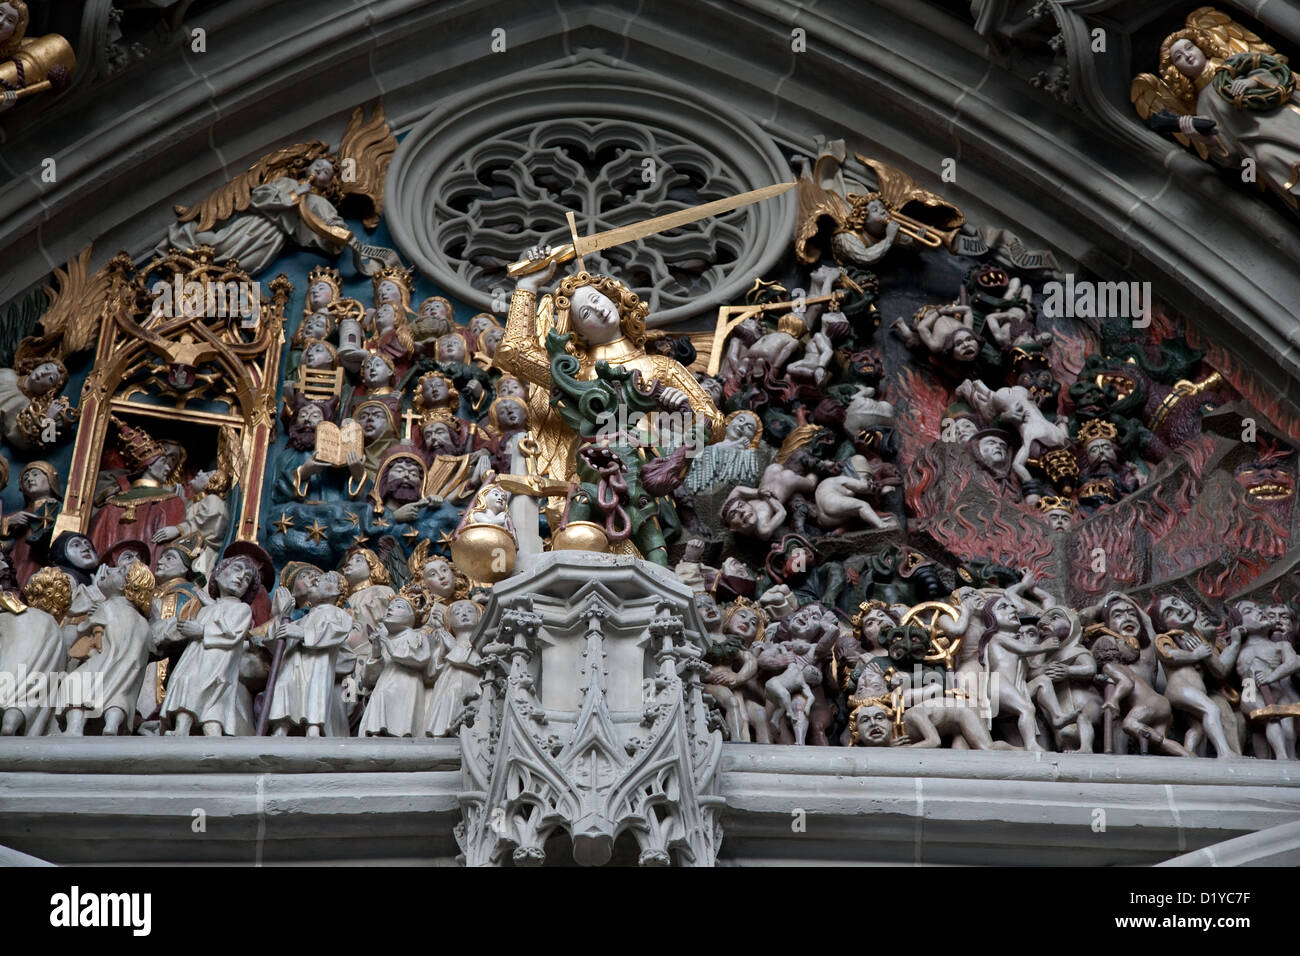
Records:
x=918, y=231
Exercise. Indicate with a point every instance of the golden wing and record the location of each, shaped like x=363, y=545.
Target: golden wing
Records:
x=897, y=189
x=814, y=203
x=1231, y=36
x=235, y=195
x=1150, y=94
x=365, y=151
x=415, y=563
x=71, y=323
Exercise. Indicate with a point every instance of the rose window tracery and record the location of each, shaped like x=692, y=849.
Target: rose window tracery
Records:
x=476, y=181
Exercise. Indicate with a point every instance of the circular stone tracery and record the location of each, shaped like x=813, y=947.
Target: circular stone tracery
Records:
x=480, y=180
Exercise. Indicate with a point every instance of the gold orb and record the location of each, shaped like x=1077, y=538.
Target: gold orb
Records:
x=485, y=552
x=580, y=536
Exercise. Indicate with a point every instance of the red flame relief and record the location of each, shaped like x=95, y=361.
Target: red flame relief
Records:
x=1069, y=350
x=1102, y=554
x=1008, y=535
x=1162, y=327
x=920, y=415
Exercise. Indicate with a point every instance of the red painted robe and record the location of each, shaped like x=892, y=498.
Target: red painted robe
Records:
x=135, y=513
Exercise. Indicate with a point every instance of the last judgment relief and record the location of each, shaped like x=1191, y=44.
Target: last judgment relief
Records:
x=927, y=488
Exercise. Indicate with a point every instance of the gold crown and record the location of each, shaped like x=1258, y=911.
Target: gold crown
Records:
x=403, y=277
x=1096, y=428
x=865, y=608
x=1099, y=488
x=327, y=274
x=440, y=414
x=1055, y=503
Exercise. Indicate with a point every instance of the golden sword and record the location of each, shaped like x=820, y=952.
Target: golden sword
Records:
x=585, y=245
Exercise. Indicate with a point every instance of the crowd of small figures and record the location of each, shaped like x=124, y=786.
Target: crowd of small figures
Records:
x=832, y=537
x=1008, y=668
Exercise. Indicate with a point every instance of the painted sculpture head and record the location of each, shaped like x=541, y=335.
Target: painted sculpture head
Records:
x=320, y=173
x=375, y=420
x=439, y=577
x=235, y=577
x=872, y=726
x=451, y=348
x=377, y=372
x=1188, y=58
x=400, y=615
x=13, y=24
x=600, y=309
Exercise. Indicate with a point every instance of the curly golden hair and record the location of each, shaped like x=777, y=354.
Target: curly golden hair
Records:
x=15, y=40
x=632, y=311
x=49, y=590
x=139, y=587
x=453, y=396
x=860, y=704
x=1184, y=87
x=378, y=573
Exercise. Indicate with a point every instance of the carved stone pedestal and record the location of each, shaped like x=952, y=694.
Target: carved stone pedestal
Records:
x=590, y=722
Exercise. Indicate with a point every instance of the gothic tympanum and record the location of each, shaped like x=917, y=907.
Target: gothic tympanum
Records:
x=917, y=507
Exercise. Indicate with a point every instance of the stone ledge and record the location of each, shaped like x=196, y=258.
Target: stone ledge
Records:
x=241, y=755
x=290, y=800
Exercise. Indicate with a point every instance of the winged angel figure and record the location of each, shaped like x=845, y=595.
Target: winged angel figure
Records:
x=293, y=194
x=863, y=224
x=1230, y=96
x=859, y=226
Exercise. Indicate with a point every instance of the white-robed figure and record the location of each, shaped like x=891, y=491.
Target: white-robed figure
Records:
x=1231, y=96
x=119, y=642
x=31, y=649
x=369, y=593
x=207, y=516
x=204, y=689
x=280, y=211
x=395, y=702
x=453, y=667
x=304, y=691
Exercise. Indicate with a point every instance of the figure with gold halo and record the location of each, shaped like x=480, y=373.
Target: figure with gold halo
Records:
x=607, y=323
x=1229, y=95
